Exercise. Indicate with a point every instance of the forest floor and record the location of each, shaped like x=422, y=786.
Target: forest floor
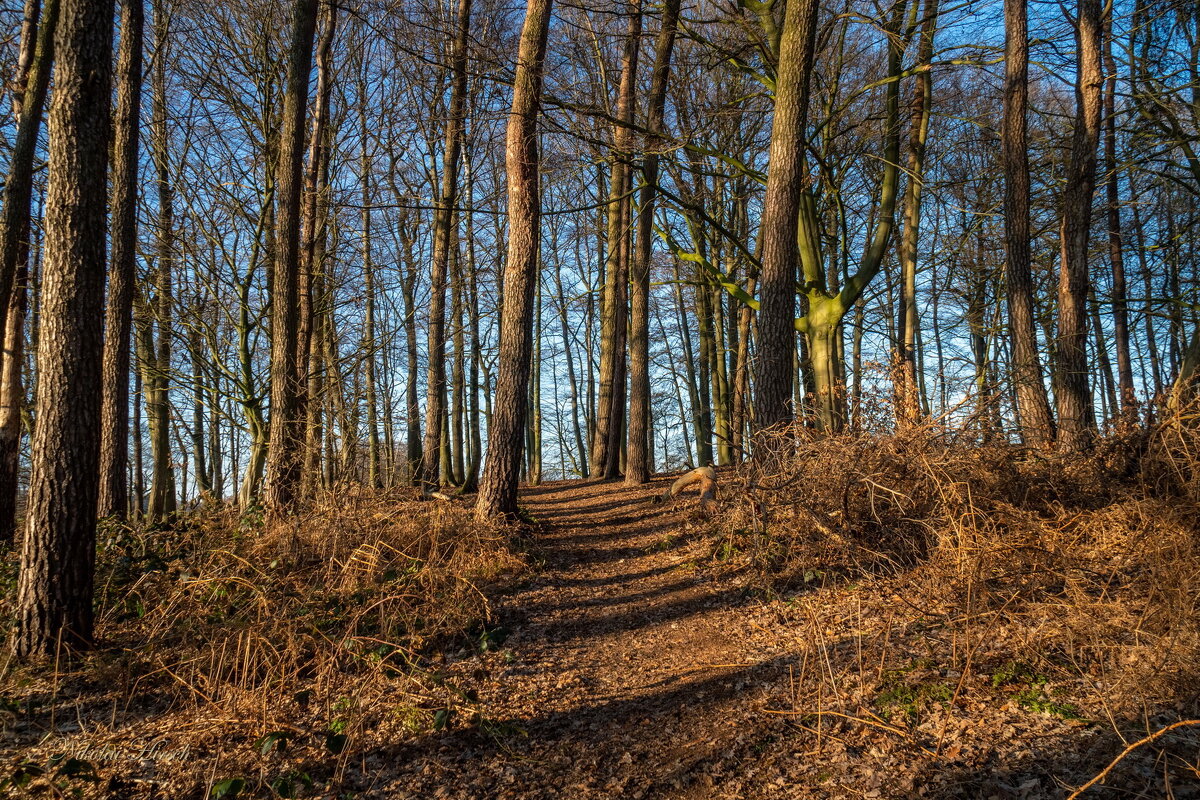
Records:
x=632, y=672
x=638, y=652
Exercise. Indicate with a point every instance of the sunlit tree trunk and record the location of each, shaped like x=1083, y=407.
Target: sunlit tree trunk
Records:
x=614, y=308
x=156, y=357
x=908, y=394
x=637, y=467
x=781, y=213
x=313, y=238
x=118, y=318
x=502, y=467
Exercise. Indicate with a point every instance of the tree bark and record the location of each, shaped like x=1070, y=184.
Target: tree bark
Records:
x=780, y=221
x=118, y=315
x=637, y=464
x=285, y=454
x=614, y=308
x=435, y=399
x=1033, y=407
x=908, y=395
x=1075, y=417
x=54, y=589
x=498, y=486
x=1116, y=239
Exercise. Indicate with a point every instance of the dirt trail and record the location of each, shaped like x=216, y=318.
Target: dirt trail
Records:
x=625, y=675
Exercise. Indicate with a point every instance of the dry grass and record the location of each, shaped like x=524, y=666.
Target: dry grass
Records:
x=323, y=635
x=962, y=581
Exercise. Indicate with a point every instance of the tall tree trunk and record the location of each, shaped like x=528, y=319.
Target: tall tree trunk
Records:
x=118, y=316
x=498, y=486
x=1075, y=418
x=54, y=588
x=1033, y=407
x=33, y=76
x=312, y=252
x=157, y=364
x=285, y=456
x=369, y=342
x=1116, y=244
x=614, y=308
x=435, y=400
x=471, y=479
x=780, y=220
x=412, y=408
x=18, y=186
x=908, y=395
x=458, y=381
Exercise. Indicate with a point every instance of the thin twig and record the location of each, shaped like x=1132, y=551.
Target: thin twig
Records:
x=1104, y=774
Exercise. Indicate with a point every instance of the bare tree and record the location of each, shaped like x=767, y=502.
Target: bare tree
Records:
x=33, y=77
x=435, y=399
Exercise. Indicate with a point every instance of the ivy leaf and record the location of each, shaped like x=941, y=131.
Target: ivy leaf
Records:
x=227, y=789
x=276, y=740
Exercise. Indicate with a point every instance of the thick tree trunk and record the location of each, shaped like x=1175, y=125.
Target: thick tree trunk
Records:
x=781, y=214
x=54, y=589
x=1075, y=418
x=118, y=316
x=285, y=456
x=1033, y=408
x=502, y=468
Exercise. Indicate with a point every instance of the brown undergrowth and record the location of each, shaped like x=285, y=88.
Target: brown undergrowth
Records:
x=968, y=590
x=223, y=641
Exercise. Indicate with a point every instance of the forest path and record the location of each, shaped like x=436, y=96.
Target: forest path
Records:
x=624, y=675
